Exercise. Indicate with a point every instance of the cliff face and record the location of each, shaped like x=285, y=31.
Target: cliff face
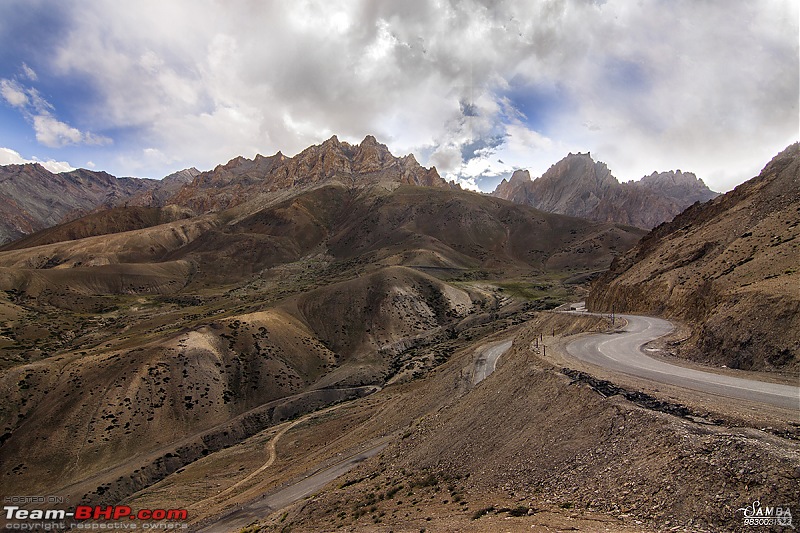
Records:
x=729, y=268
x=579, y=186
x=241, y=178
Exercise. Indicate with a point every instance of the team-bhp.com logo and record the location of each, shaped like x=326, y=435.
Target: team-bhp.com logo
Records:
x=758, y=515
x=122, y=515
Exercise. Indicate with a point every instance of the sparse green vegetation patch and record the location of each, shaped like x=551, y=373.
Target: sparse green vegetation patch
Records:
x=536, y=290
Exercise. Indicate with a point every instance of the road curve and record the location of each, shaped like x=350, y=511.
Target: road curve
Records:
x=486, y=363
x=622, y=352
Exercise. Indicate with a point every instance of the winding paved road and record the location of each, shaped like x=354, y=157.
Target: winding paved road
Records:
x=622, y=352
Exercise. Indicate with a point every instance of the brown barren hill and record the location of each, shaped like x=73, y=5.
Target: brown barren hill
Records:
x=398, y=224
x=729, y=268
x=103, y=222
x=148, y=344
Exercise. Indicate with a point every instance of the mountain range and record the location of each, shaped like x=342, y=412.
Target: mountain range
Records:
x=579, y=186
x=153, y=347
x=260, y=290
x=32, y=198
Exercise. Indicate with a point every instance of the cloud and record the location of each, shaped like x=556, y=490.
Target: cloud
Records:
x=711, y=87
x=55, y=134
x=14, y=93
x=12, y=157
x=50, y=131
x=29, y=73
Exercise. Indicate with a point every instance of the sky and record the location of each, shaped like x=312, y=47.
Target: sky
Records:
x=475, y=88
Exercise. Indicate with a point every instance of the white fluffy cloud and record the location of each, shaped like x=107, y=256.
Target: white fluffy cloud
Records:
x=50, y=131
x=11, y=157
x=711, y=87
x=54, y=133
x=13, y=93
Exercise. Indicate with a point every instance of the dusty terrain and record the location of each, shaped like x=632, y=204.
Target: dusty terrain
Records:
x=204, y=361
x=527, y=449
x=134, y=345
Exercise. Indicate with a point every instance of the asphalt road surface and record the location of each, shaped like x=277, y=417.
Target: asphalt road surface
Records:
x=279, y=499
x=486, y=362
x=622, y=352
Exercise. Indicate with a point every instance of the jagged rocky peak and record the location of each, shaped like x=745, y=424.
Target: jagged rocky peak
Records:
x=671, y=178
x=236, y=162
x=520, y=176
x=518, y=189
x=274, y=158
x=372, y=156
x=318, y=162
x=578, y=185
x=581, y=168
x=370, y=160
x=182, y=176
x=409, y=160
x=332, y=160
x=24, y=167
x=683, y=187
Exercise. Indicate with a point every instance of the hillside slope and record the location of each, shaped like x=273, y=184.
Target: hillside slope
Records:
x=154, y=346
x=530, y=448
x=729, y=268
x=101, y=222
x=455, y=231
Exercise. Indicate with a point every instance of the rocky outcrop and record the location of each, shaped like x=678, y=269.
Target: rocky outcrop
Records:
x=579, y=186
x=728, y=268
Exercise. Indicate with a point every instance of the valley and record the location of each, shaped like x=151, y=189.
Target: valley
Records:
x=343, y=340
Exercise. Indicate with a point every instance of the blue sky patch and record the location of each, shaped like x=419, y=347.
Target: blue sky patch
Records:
x=537, y=103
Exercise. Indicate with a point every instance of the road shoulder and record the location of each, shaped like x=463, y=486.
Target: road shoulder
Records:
x=729, y=411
